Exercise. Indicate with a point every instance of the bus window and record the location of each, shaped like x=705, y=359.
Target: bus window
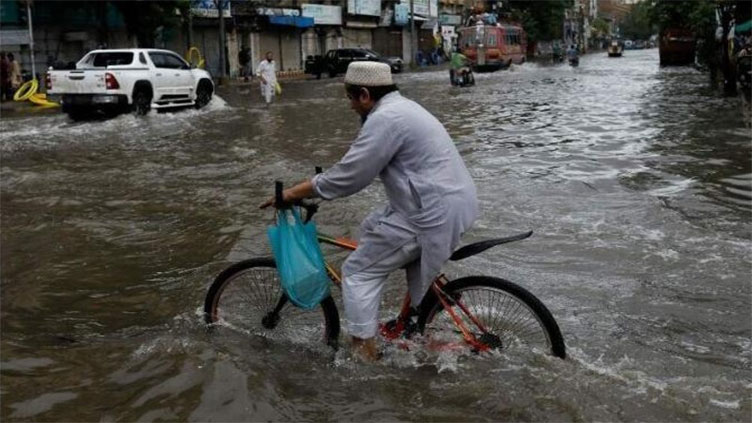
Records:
x=491, y=40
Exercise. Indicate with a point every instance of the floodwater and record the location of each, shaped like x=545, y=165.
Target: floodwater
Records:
x=636, y=180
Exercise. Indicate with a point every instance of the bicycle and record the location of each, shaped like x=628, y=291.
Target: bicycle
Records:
x=485, y=313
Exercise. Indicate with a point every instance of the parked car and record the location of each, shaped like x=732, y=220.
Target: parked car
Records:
x=336, y=61
x=114, y=81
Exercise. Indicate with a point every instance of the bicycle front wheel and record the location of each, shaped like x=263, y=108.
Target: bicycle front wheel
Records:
x=248, y=297
x=511, y=315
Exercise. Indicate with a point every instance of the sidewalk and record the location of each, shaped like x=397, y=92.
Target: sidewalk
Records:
x=11, y=106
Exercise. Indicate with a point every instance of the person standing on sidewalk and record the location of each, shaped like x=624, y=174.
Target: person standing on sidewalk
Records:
x=244, y=57
x=14, y=70
x=266, y=71
x=4, y=77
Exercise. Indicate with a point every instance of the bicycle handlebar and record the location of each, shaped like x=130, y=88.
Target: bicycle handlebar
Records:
x=309, y=207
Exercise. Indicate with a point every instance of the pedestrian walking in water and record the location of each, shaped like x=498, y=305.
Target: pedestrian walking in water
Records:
x=267, y=73
x=432, y=198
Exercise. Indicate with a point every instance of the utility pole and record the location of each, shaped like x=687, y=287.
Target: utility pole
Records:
x=190, y=28
x=31, y=42
x=413, y=41
x=222, y=59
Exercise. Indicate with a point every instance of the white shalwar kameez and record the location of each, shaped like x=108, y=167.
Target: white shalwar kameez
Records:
x=432, y=202
x=268, y=71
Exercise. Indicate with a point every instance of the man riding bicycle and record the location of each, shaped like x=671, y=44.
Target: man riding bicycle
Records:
x=432, y=198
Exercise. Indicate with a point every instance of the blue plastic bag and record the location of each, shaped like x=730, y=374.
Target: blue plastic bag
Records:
x=299, y=260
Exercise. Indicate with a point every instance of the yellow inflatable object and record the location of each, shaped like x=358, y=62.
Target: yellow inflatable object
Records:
x=26, y=90
x=40, y=99
x=277, y=88
x=199, y=59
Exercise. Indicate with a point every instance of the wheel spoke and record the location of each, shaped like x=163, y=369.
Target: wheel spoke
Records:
x=248, y=295
x=500, y=311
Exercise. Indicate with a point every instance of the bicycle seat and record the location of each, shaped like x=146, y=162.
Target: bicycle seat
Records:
x=479, y=247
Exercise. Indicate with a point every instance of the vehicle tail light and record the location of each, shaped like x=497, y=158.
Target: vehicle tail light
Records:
x=110, y=82
x=48, y=82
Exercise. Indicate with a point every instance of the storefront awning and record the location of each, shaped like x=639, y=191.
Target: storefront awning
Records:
x=299, y=21
x=744, y=27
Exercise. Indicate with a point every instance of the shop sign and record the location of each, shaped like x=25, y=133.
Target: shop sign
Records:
x=9, y=37
x=323, y=14
x=450, y=19
x=401, y=14
x=277, y=11
x=208, y=9
x=364, y=7
x=423, y=7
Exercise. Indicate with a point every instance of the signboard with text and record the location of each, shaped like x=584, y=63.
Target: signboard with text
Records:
x=277, y=11
x=450, y=19
x=208, y=8
x=401, y=14
x=423, y=7
x=364, y=7
x=323, y=14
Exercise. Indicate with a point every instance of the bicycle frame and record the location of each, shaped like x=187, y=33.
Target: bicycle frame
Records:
x=395, y=330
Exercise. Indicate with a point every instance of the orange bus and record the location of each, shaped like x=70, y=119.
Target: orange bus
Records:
x=493, y=47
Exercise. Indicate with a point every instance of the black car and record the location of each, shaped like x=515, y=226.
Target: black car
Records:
x=336, y=61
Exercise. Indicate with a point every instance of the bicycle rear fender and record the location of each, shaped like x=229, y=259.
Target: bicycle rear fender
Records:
x=479, y=247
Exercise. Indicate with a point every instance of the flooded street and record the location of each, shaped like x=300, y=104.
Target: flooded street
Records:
x=636, y=180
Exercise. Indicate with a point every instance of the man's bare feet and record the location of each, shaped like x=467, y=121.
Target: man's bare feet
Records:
x=366, y=349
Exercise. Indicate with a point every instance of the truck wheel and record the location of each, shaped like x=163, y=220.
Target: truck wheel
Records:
x=141, y=103
x=203, y=94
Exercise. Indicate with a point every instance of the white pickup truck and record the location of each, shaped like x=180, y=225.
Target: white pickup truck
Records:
x=114, y=81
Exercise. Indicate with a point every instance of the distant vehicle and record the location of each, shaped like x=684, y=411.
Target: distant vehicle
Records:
x=628, y=44
x=115, y=81
x=676, y=47
x=615, y=49
x=639, y=44
x=493, y=47
x=336, y=61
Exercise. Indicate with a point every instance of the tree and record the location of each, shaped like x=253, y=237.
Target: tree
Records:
x=637, y=24
x=542, y=20
x=600, y=27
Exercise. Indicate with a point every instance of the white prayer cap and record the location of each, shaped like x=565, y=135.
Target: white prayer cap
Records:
x=369, y=74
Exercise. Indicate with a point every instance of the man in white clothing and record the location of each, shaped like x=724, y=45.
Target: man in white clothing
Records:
x=431, y=197
x=267, y=75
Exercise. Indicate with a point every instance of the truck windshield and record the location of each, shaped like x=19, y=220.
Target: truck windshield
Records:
x=101, y=60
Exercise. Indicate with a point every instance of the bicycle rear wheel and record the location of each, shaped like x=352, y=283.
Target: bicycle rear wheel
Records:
x=511, y=315
x=245, y=296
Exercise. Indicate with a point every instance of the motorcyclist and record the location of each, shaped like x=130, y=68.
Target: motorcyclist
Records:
x=460, y=67
x=572, y=55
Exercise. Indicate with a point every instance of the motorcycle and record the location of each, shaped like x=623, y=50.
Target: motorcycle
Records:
x=574, y=61
x=464, y=78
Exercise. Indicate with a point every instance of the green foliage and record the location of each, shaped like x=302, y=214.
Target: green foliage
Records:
x=600, y=27
x=638, y=24
x=542, y=19
x=686, y=14
x=697, y=16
